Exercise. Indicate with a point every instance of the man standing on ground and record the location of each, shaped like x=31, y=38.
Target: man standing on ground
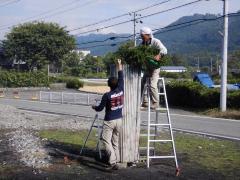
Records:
x=153, y=74
x=113, y=103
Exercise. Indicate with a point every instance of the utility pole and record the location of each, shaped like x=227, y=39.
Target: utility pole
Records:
x=134, y=29
x=211, y=61
x=223, y=94
x=135, y=20
x=198, y=64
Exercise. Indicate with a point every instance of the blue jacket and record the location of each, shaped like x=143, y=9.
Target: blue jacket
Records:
x=113, y=101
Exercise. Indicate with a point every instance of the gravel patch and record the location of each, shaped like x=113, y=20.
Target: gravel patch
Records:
x=29, y=148
x=22, y=137
x=12, y=118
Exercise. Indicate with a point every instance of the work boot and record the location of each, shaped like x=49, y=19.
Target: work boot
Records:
x=115, y=166
x=145, y=104
x=154, y=106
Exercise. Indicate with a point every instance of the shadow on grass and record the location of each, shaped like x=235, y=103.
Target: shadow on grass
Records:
x=68, y=152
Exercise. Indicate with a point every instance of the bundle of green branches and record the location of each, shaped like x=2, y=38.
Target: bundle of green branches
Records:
x=140, y=56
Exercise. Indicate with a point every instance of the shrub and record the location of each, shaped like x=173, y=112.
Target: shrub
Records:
x=233, y=99
x=175, y=75
x=74, y=83
x=136, y=56
x=193, y=95
x=23, y=79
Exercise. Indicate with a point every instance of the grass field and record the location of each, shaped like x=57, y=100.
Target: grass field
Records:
x=212, y=155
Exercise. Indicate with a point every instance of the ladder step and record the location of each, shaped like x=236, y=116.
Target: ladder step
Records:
x=168, y=140
x=161, y=157
x=159, y=124
x=161, y=109
x=147, y=134
x=161, y=94
x=143, y=148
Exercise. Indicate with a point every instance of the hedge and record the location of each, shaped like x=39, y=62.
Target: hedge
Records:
x=74, y=83
x=193, y=95
x=23, y=79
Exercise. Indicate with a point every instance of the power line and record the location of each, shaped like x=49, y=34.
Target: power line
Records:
x=110, y=38
x=123, y=22
x=101, y=45
x=116, y=17
x=67, y=10
x=177, y=26
x=8, y=3
x=49, y=11
x=170, y=9
x=193, y=22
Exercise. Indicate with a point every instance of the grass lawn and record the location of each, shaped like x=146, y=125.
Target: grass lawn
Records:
x=214, y=155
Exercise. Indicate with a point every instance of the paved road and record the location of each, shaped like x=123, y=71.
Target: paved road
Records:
x=186, y=122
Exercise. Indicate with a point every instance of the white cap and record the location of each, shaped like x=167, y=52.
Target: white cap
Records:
x=146, y=30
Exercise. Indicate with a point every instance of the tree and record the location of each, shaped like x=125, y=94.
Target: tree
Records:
x=38, y=44
x=177, y=60
x=72, y=59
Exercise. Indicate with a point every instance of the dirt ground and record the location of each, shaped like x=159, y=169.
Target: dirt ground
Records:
x=95, y=89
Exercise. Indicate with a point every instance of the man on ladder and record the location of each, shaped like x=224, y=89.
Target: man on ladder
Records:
x=150, y=85
x=113, y=103
x=152, y=74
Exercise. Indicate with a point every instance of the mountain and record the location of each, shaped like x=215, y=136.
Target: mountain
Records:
x=101, y=47
x=198, y=38
x=202, y=37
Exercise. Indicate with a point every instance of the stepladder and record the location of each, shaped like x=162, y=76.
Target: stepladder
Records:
x=158, y=129
x=96, y=124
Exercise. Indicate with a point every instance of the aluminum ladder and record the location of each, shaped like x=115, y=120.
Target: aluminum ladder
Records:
x=95, y=124
x=156, y=125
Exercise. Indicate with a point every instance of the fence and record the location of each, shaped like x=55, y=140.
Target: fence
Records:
x=68, y=98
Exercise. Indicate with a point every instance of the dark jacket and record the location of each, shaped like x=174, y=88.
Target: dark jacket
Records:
x=113, y=101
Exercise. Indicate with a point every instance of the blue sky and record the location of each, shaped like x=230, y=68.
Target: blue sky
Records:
x=82, y=12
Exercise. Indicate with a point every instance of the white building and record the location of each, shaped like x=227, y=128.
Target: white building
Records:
x=83, y=53
x=173, y=69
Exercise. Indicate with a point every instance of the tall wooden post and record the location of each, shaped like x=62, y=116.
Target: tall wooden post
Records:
x=129, y=138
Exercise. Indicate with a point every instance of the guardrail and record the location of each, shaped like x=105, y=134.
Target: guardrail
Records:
x=68, y=98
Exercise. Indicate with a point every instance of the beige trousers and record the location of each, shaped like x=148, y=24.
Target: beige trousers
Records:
x=153, y=75
x=110, y=137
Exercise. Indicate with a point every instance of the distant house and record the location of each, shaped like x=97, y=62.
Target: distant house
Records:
x=173, y=69
x=234, y=71
x=83, y=52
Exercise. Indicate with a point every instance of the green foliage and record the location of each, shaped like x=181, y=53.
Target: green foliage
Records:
x=138, y=56
x=71, y=59
x=23, y=79
x=182, y=75
x=89, y=67
x=38, y=44
x=193, y=95
x=74, y=83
